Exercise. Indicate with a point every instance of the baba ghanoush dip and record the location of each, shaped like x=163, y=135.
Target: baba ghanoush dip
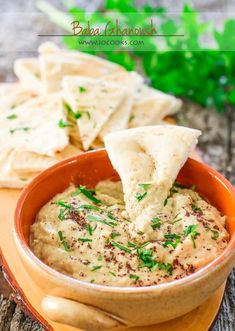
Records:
x=144, y=230
x=87, y=234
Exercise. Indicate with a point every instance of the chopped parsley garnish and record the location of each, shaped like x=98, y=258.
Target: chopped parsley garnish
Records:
x=110, y=215
x=62, y=214
x=215, y=235
x=89, y=229
x=19, y=129
x=175, y=239
x=71, y=112
x=88, y=193
x=88, y=207
x=140, y=196
x=145, y=186
x=165, y=266
x=131, y=118
x=96, y=267
x=78, y=114
x=173, y=190
x=114, y=234
x=96, y=218
x=165, y=202
x=63, y=242
x=130, y=244
x=84, y=240
x=135, y=277
x=112, y=273
x=62, y=124
x=120, y=246
x=12, y=117
x=190, y=230
x=179, y=185
x=156, y=223
x=62, y=204
x=68, y=108
x=63, y=211
x=196, y=209
x=146, y=256
x=82, y=89
x=176, y=219
x=100, y=258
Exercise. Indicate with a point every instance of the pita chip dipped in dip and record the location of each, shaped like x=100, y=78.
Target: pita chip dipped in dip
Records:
x=144, y=230
x=148, y=164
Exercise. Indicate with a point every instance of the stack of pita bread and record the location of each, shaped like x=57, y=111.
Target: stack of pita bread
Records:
x=65, y=103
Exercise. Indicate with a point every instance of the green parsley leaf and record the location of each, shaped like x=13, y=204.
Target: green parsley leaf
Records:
x=89, y=229
x=179, y=185
x=88, y=193
x=145, y=186
x=96, y=267
x=131, y=118
x=146, y=256
x=156, y=223
x=62, y=124
x=165, y=202
x=84, y=240
x=135, y=277
x=114, y=234
x=140, y=196
x=196, y=209
x=96, y=218
x=12, y=117
x=215, y=235
x=175, y=240
x=190, y=230
x=82, y=89
x=62, y=214
x=120, y=246
x=110, y=215
x=88, y=207
x=19, y=129
x=130, y=244
x=112, y=273
x=62, y=204
x=64, y=243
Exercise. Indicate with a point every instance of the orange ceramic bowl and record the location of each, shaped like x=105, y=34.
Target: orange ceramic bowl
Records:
x=97, y=307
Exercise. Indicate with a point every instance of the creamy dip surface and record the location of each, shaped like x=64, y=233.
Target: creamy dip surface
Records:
x=87, y=234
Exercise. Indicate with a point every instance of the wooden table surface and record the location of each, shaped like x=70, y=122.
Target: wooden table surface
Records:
x=218, y=149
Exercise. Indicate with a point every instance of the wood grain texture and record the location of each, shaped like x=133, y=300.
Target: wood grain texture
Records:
x=217, y=144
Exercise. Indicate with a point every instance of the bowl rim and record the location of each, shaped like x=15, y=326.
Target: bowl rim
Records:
x=70, y=281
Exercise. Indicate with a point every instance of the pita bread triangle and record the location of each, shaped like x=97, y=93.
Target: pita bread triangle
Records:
x=148, y=160
x=151, y=106
x=28, y=162
x=39, y=126
x=119, y=120
x=28, y=72
x=56, y=63
x=13, y=95
x=93, y=101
